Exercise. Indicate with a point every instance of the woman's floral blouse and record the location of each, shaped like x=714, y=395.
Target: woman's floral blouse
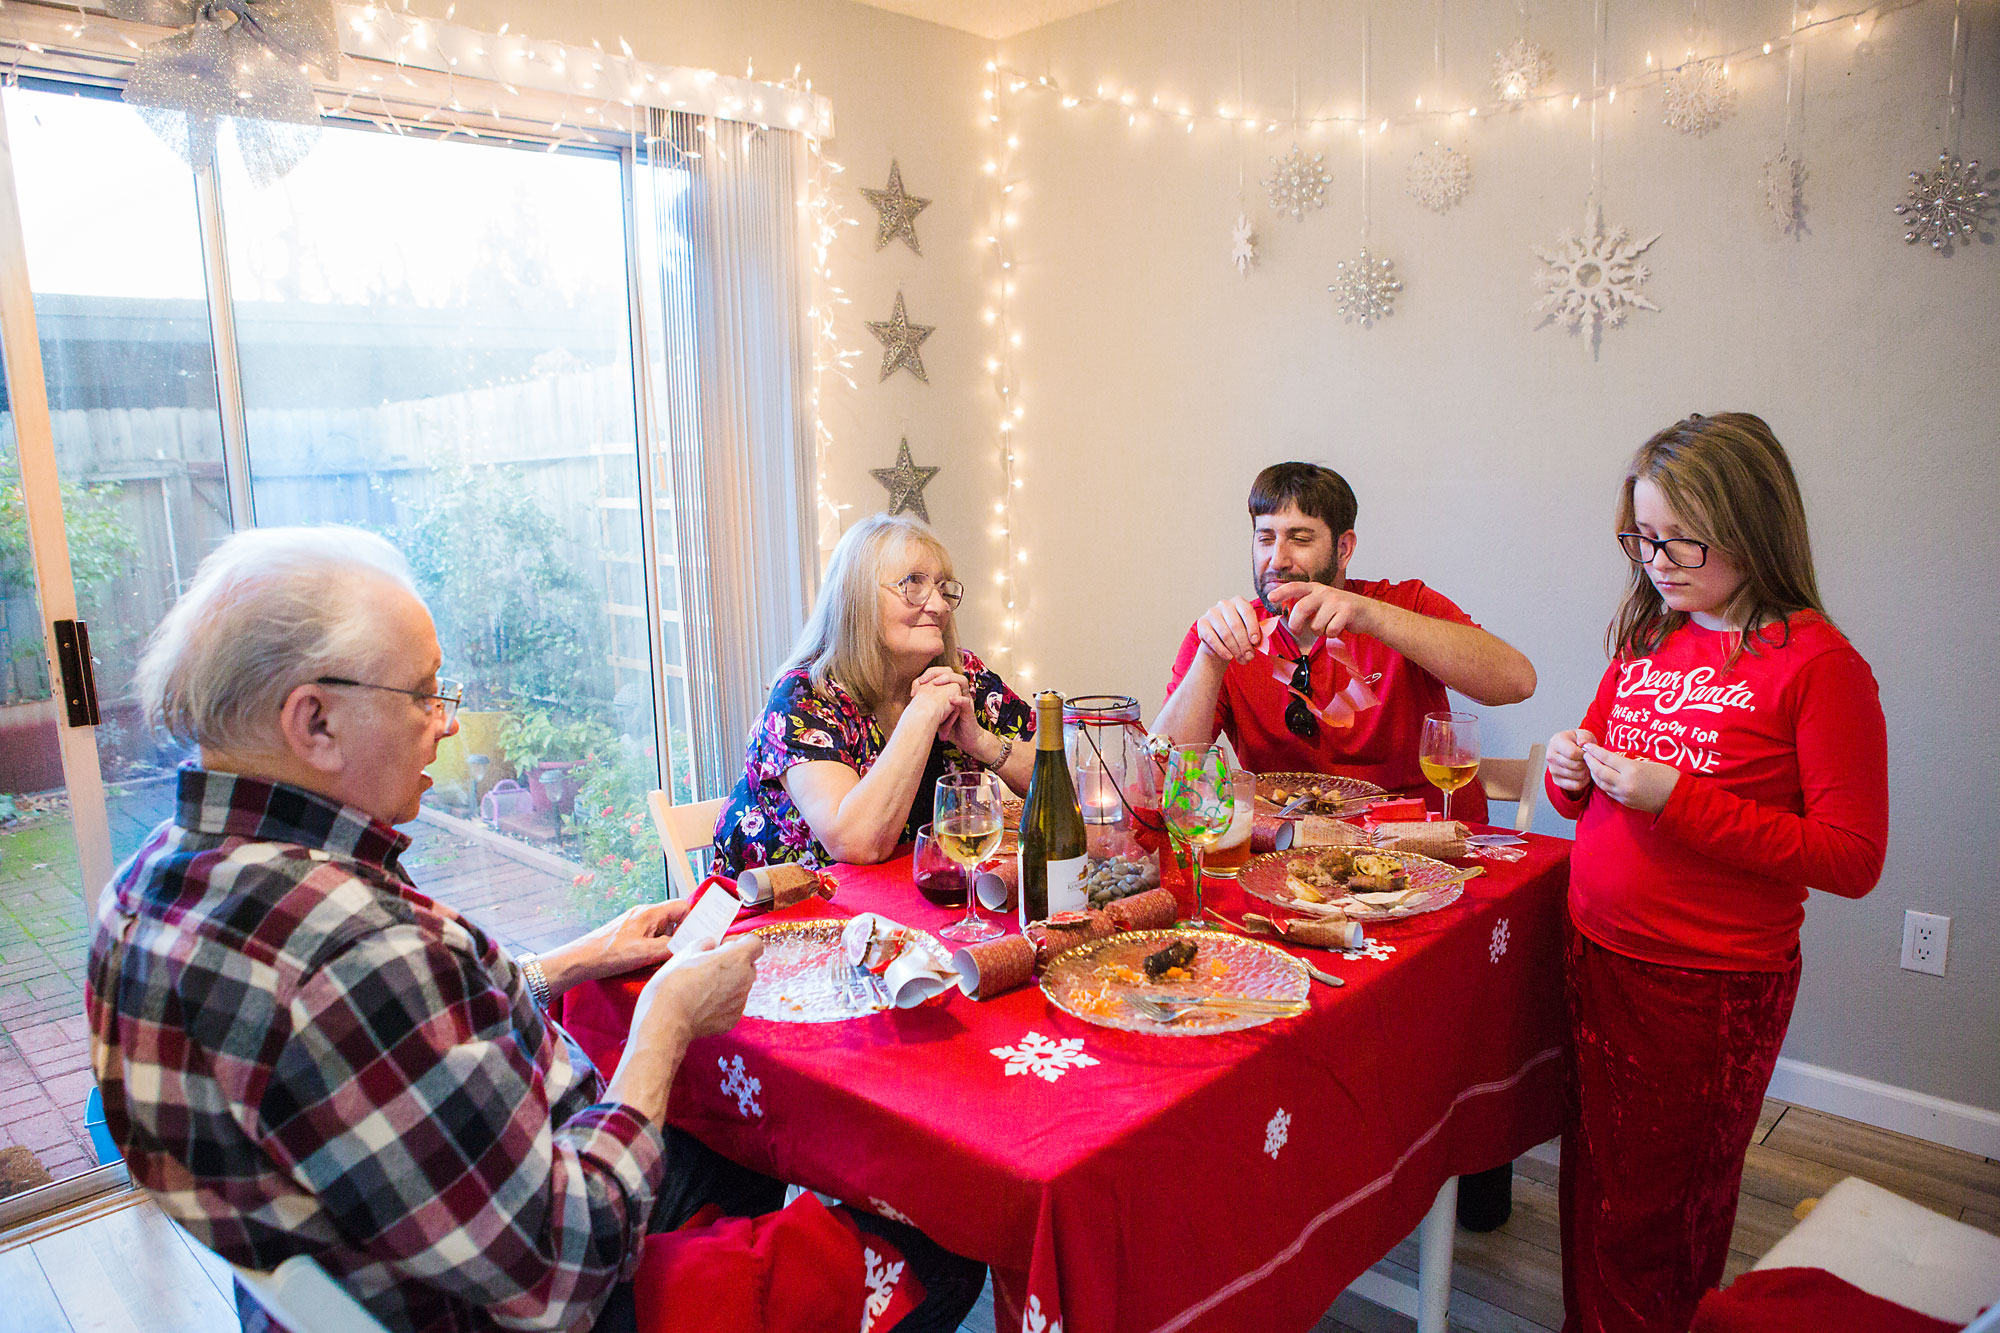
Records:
x=761, y=826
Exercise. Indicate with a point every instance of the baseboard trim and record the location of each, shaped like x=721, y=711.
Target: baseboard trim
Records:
x=1972, y=1129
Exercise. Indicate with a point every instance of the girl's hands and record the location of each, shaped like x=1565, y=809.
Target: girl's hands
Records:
x=1636, y=784
x=1565, y=760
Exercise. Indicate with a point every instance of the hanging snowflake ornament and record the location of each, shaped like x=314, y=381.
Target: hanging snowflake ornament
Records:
x=1698, y=96
x=1944, y=206
x=1439, y=177
x=1297, y=182
x=1595, y=278
x=1365, y=289
x=1243, y=246
x=1520, y=69
x=1783, y=189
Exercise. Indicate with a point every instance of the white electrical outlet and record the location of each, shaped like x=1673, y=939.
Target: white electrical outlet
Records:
x=1925, y=938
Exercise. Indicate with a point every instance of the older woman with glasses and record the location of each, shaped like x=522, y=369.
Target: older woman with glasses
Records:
x=876, y=704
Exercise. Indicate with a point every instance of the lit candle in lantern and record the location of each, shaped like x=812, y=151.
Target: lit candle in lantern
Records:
x=1099, y=797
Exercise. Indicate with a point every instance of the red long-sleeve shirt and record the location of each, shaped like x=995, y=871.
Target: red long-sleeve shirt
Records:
x=1784, y=785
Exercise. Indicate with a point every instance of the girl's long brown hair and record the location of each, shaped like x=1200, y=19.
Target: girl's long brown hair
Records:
x=1729, y=483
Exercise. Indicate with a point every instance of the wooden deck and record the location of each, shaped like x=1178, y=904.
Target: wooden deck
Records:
x=117, y=1265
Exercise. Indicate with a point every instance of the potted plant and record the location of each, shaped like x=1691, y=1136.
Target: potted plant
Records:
x=546, y=748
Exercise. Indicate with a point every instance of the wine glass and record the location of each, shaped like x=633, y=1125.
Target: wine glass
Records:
x=966, y=823
x=1198, y=801
x=1449, y=752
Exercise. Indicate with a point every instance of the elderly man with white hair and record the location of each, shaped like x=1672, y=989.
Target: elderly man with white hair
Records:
x=302, y=1054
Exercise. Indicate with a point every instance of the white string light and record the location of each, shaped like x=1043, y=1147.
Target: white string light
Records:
x=1001, y=156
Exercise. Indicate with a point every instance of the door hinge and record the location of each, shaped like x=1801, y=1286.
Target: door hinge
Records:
x=78, y=680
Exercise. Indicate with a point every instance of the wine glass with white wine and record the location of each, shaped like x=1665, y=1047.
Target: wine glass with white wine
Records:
x=1199, y=801
x=1449, y=752
x=966, y=823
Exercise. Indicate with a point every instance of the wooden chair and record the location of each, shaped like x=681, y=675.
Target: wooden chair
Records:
x=684, y=829
x=1517, y=780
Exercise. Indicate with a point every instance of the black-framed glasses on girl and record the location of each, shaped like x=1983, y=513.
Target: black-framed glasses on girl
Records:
x=1685, y=552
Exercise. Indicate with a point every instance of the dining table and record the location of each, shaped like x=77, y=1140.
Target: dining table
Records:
x=1132, y=1182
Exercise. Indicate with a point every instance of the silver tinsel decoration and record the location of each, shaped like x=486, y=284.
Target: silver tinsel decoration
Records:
x=905, y=483
x=1783, y=188
x=1520, y=69
x=898, y=209
x=1944, y=206
x=241, y=61
x=1697, y=97
x=1594, y=279
x=1297, y=182
x=900, y=342
x=1365, y=289
x=1439, y=177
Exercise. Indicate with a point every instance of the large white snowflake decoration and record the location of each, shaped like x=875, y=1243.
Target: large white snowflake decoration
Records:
x=1946, y=205
x=737, y=1083
x=1243, y=245
x=1521, y=68
x=1034, y=1321
x=1783, y=189
x=1497, y=950
x=1439, y=176
x=1365, y=288
x=1276, y=1132
x=1046, y=1058
x=1594, y=279
x=1297, y=182
x=881, y=1279
x=1698, y=96
x=1370, y=948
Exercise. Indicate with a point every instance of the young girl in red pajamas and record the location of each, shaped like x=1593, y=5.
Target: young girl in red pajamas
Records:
x=1735, y=754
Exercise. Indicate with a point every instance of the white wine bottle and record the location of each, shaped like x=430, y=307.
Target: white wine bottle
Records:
x=1052, y=837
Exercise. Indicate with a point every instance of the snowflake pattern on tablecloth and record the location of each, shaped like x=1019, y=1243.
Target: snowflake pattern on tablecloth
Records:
x=1297, y=182
x=1593, y=279
x=1370, y=948
x=890, y=1211
x=1698, y=96
x=1439, y=176
x=1498, y=948
x=882, y=1279
x=1034, y=1321
x=737, y=1083
x=1276, y=1132
x=1045, y=1057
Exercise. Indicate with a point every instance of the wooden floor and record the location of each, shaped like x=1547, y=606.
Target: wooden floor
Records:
x=118, y=1265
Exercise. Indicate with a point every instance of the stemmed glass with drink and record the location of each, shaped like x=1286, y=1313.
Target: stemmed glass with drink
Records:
x=1230, y=851
x=1199, y=802
x=1449, y=752
x=966, y=823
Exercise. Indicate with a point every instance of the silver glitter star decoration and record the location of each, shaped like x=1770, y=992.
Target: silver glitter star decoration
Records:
x=899, y=210
x=1521, y=68
x=1243, y=245
x=1697, y=97
x=1365, y=289
x=1439, y=177
x=1783, y=189
x=1945, y=206
x=1593, y=280
x=1297, y=182
x=900, y=341
x=906, y=482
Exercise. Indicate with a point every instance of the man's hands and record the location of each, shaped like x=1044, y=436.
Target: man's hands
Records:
x=1577, y=762
x=697, y=994
x=1316, y=610
x=636, y=938
x=1229, y=629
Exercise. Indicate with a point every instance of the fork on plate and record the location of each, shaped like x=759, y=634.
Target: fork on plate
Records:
x=1167, y=1008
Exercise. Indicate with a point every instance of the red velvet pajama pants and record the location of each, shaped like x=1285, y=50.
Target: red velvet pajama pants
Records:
x=1665, y=1075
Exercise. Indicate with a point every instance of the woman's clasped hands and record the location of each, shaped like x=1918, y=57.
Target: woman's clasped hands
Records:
x=1577, y=762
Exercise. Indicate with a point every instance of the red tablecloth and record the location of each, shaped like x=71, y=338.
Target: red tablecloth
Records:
x=1121, y=1183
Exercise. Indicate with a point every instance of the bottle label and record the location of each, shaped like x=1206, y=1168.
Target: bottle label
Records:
x=1066, y=891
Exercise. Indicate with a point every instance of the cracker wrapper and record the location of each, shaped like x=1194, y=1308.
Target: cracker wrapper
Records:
x=1332, y=931
x=1326, y=831
x=997, y=882
x=913, y=970
x=1155, y=909
x=995, y=967
x=1442, y=839
x=1268, y=833
x=1065, y=931
x=785, y=884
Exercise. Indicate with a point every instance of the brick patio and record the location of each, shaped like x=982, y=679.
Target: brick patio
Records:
x=44, y=1038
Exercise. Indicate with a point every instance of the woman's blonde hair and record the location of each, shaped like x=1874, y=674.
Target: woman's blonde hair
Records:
x=1729, y=483
x=842, y=639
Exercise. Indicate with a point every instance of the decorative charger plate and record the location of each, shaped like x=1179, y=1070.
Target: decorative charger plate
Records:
x=803, y=975
x=1090, y=982
x=1436, y=883
x=1330, y=790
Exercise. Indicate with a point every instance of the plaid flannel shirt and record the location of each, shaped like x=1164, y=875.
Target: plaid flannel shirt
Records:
x=301, y=1054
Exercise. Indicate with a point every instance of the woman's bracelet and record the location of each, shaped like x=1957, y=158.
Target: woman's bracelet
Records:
x=1000, y=760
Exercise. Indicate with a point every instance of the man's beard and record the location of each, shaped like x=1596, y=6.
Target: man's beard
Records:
x=1328, y=575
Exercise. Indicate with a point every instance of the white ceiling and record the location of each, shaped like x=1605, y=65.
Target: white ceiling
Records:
x=995, y=19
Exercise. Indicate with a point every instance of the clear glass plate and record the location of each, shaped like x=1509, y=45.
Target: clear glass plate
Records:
x=803, y=975
x=1092, y=982
x=1438, y=884
x=1330, y=790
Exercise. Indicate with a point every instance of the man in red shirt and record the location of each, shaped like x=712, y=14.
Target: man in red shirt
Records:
x=1408, y=642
